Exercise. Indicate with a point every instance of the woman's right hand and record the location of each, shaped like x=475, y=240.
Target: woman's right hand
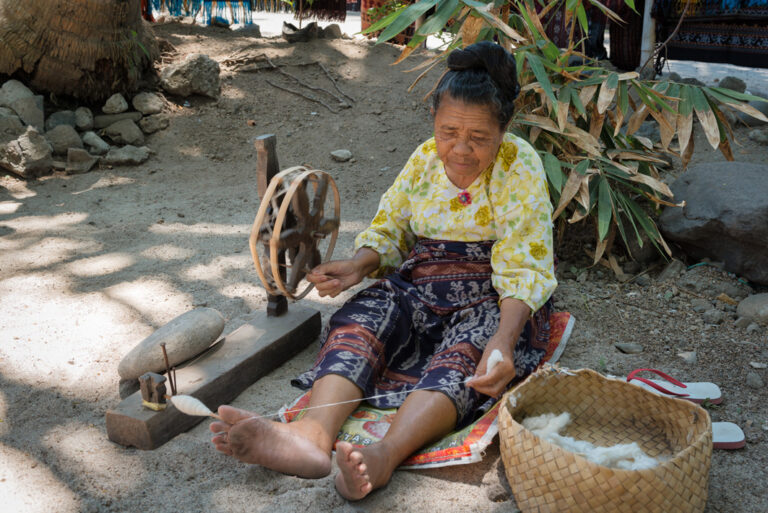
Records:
x=336, y=276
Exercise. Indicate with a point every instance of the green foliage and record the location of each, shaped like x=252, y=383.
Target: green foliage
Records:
x=582, y=118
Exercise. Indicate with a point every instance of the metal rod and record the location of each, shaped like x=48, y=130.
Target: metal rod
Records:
x=168, y=369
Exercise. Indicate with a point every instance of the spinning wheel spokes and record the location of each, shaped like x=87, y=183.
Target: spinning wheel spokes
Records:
x=292, y=223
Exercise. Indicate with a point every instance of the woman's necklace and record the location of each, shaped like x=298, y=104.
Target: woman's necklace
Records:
x=465, y=198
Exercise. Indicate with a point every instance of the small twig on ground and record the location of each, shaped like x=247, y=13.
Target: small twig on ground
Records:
x=299, y=93
x=301, y=82
x=692, y=293
x=333, y=81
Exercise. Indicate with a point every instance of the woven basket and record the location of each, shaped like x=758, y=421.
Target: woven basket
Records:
x=547, y=478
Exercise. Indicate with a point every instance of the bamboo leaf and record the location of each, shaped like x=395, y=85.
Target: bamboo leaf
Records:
x=622, y=107
x=688, y=153
x=684, y=131
x=569, y=191
x=607, y=92
x=541, y=75
x=686, y=103
x=604, y=208
x=484, y=10
x=576, y=102
x=581, y=15
x=554, y=172
x=587, y=93
x=706, y=117
x=653, y=183
x=748, y=109
x=637, y=119
x=596, y=125
x=405, y=18
x=445, y=11
x=383, y=22
x=737, y=95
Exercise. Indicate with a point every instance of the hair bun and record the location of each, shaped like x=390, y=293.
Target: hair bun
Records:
x=489, y=57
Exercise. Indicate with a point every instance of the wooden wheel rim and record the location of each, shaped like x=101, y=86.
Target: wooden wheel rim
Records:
x=308, y=175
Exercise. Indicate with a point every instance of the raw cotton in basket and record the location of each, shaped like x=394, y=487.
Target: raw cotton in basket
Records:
x=624, y=456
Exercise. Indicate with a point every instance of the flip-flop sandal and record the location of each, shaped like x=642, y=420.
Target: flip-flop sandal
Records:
x=696, y=392
x=727, y=435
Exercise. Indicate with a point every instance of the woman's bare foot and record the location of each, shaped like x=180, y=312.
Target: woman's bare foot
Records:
x=286, y=448
x=361, y=470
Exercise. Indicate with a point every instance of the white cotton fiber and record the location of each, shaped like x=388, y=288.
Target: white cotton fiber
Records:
x=624, y=456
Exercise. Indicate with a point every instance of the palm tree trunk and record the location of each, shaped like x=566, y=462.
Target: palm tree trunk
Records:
x=86, y=49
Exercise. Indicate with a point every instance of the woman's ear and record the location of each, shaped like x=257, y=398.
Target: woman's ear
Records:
x=432, y=111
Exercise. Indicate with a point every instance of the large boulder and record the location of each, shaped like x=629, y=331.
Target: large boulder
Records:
x=724, y=218
x=147, y=103
x=62, y=138
x=63, y=117
x=28, y=156
x=30, y=110
x=197, y=74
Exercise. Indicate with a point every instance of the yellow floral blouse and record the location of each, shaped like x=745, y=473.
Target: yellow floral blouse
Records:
x=509, y=204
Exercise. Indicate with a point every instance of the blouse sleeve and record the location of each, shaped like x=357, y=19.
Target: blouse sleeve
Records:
x=390, y=233
x=523, y=258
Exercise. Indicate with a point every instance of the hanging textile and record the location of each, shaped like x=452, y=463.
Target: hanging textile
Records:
x=728, y=31
x=321, y=9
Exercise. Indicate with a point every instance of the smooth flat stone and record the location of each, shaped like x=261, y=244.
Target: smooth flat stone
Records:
x=186, y=336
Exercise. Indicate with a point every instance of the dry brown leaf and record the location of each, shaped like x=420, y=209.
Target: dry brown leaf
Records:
x=629, y=75
x=725, y=298
x=496, y=22
x=408, y=50
x=668, y=128
x=605, y=97
x=570, y=189
x=636, y=119
x=645, y=142
x=562, y=114
x=708, y=121
x=470, y=29
x=596, y=125
x=748, y=109
x=684, y=131
x=582, y=139
x=725, y=149
x=534, y=134
x=687, y=153
x=619, y=120
x=660, y=201
x=586, y=94
x=582, y=198
x=653, y=183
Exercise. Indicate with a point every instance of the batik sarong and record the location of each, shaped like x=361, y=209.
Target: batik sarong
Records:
x=425, y=326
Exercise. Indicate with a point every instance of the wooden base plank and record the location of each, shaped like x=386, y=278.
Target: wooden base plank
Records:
x=245, y=355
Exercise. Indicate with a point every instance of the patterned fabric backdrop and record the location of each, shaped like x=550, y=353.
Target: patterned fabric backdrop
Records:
x=728, y=31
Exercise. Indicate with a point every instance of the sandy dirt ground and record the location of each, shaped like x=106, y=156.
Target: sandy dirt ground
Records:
x=92, y=264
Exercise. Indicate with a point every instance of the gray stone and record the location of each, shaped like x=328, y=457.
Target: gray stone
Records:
x=753, y=328
x=755, y=308
x=645, y=254
x=724, y=216
x=197, y=74
x=758, y=365
x=127, y=155
x=341, y=155
x=628, y=347
x=96, y=144
x=30, y=111
x=713, y=316
x=734, y=84
x=10, y=128
x=249, y=30
x=6, y=112
x=13, y=90
x=83, y=118
x=332, y=31
x=63, y=117
x=153, y=123
x=147, y=103
x=79, y=161
x=692, y=81
x=28, y=156
x=125, y=132
x=62, y=138
x=643, y=280
x=649, y=130
x=105, y=120
x=674, y=77
x=759, y=135
x=184, y=337
x=700, y=305
x=688, y=357
x=115, y=104
x=672, y=271
x=754, y=380
x=742, y=322
x=632, y=267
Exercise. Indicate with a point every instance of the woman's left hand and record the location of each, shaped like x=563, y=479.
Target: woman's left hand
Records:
x=495, y=382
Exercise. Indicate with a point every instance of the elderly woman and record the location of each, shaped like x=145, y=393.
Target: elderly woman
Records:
x=466, y=225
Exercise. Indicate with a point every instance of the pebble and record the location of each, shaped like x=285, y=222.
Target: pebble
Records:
x=673, y=269
x=643, y=280
x=341, y=155
x=700, y=305
x=115, y=104
x=743, y=322
x=758, y=365
x=759, y=135
x=688, y=357
x=754, y=380
x=753, y=328
x=713, y=316
x=628, y=347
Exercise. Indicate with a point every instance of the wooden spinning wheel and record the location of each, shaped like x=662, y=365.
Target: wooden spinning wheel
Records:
x=295, y=219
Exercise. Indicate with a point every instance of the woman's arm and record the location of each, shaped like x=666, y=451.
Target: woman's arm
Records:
x=514, y=315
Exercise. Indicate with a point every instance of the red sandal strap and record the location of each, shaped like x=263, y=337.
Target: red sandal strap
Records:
x=633, y=375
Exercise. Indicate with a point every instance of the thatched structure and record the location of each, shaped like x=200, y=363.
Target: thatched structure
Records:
x=86, y=49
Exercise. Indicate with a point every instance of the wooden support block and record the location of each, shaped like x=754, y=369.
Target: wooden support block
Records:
x=245, y=355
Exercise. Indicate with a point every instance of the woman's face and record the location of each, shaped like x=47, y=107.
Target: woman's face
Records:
x=467, y=137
